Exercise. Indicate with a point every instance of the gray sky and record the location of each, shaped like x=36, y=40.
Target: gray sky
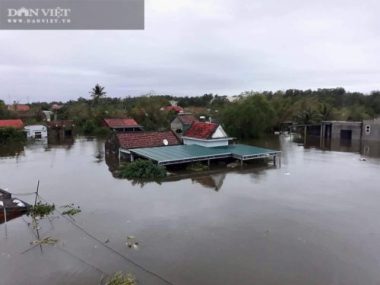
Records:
x=192, y=47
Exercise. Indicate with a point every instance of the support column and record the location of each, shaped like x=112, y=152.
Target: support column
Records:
x=132, y=157
x=208, y=163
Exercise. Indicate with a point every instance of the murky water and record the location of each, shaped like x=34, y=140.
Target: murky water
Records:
x=315, y=220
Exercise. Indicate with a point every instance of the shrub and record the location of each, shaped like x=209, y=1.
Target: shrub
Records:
x=10, y=135
x=120, y=278
x=142, y=169
x=41, y=209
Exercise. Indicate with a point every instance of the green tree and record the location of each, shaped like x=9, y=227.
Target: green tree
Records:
x=248, y=117
x=98, y=93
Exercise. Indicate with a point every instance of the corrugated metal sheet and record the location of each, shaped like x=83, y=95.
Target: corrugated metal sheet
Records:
x=189, y=153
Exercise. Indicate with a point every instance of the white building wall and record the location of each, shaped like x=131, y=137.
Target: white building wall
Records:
x=35, y=130
x=206, y=143
x=219, y=133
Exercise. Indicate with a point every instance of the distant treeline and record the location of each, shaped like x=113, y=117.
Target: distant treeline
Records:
x=249, y=114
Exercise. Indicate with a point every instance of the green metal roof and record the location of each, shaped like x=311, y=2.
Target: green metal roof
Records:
x=188, y=153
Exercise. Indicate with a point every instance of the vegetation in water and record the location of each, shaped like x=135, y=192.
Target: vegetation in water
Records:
x=142, y=170
x=120, y=278
x=197, y=167
x=11, y=135
x=41, y=209
x=71, y=210
x=47, y=240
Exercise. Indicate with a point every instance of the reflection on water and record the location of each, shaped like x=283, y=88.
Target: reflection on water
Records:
x=315, y=220
x=366, y=148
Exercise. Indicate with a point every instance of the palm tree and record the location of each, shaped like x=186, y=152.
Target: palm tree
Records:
x=97, y=93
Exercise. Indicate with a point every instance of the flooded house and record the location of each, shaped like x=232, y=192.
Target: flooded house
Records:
x=122, y=125
x=342, y=130
x=19, y=108
x=128, y=141
x=206, y=134
x=36, y=132
x=182, y=122
x=60, y=130
x=371, y=130
x=16, y=123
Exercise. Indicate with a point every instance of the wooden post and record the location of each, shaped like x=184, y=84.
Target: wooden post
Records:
x=38, y=186
x=274, y=159
x=208, y=163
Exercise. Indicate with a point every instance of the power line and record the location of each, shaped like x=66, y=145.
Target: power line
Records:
x=110, y=248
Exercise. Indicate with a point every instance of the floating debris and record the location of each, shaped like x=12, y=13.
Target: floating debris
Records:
x=132, y=242
x=119, y=278
x=71, y=209
x=362, y=159
x=46, y=240
x=41, y=209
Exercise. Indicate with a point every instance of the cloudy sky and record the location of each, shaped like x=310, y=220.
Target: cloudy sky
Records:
x=192, y=47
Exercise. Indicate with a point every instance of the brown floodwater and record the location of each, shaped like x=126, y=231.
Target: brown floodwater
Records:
x=314, y=220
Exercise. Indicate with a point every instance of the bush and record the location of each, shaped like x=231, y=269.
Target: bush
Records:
x=120, y=278
x=142, y=169
x=11, y=135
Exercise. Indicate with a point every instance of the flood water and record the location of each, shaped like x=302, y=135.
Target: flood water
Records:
x=314, y=220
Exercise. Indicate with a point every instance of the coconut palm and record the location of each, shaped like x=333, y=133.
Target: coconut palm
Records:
x=97, y=93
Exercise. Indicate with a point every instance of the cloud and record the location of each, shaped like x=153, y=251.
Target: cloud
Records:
x=194, y=47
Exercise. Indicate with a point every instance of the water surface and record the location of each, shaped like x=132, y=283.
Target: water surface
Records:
x=315, y=220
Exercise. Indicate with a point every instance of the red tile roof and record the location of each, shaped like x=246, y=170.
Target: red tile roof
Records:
x=18, y=124
x=121, y=123
x=174, y=108
x=146, y=139
x=187, y=119
x=19, y=108
x=201, y=130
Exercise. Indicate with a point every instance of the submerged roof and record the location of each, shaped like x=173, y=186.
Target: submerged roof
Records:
x=201, y=130
x=173, y=108
x=121, y=123
x=146, y=139
x=188, y=153
x=18, y=124
x=61, y=124
x=187, y=119
x=19, y=107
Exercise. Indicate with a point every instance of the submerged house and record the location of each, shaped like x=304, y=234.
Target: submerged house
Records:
x=344, y=130
x=182, y=123
x=132, y=140
x=206, y=134
x=17, y=124
x=371, y=130
x=19, y=108
x=60, y=129
x=36, y=132
x=122, y=125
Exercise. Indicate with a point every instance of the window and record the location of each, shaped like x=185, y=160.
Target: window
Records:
x=38, y=135
x=367, y=129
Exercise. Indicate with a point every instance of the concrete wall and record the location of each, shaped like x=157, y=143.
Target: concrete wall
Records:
x=205, y=143
x=219, y=133
x=176, y=125
x=354, y=127
x=371, y=129
x=33, y=129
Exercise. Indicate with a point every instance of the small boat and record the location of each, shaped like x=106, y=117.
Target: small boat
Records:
x=11, y=208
